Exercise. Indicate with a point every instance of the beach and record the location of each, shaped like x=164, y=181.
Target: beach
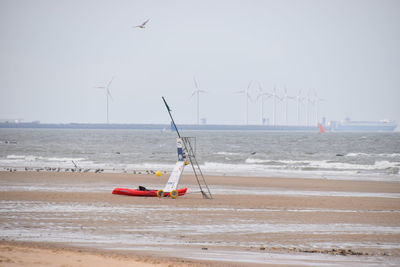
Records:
x=249, y=221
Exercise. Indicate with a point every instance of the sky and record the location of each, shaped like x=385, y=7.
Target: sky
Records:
x=53, y=54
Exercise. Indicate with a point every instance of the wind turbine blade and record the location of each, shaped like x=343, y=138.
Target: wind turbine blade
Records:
x=239, y=92
x=248, y=87
x=260, y=89
x=261, y=92
x=108, y=93
x=99, y=87
x=109, y=83
x=194, y=92
x=195, y=83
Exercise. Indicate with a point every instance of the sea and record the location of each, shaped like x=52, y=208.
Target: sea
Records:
x=343, y=156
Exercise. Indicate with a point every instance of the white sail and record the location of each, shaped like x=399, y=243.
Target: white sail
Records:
x=173, y=180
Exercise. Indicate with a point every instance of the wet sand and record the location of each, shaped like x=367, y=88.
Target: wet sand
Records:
x=250, y=221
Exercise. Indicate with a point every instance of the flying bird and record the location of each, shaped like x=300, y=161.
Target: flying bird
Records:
x=142, y=26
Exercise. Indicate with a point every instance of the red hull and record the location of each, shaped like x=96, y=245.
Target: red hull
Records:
x=139, y=193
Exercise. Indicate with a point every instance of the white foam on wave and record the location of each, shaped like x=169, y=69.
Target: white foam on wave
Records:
x=381, y=171
x=359, y=154
x=278, y=162
x=322, y=164
x=40, y=158
x=227, y=153
x=15, y=157
x=31, y=161
x=65, y=159
x=379, y=165
x=22, y=157
x=150, y=166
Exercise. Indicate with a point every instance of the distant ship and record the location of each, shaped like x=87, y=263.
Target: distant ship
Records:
x=361, y=126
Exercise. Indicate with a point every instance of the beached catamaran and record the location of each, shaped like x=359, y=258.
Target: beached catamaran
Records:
x=186, y=156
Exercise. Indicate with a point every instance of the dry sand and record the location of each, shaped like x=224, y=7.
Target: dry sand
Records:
x=72, y=219
x=28, y=254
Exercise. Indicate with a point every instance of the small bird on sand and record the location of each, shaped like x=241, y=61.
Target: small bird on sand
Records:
x=142, y=26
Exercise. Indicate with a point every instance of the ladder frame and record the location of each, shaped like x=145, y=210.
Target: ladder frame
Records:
x=191, y=155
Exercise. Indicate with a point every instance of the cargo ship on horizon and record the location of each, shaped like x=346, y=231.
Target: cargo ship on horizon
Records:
x=348, y=125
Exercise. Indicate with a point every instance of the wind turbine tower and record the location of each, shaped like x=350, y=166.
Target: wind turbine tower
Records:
x=299, y=100
x=286, y=98
x=309, y=103
x=317, y=107
x=247, y=97
x=263, y=95
x=274, y=96
x=108, y=94
x=197, y=92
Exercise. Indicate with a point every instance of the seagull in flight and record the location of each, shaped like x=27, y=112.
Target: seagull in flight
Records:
x=142, y=26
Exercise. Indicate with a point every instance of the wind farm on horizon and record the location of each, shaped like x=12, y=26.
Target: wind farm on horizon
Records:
x=304, y=106
x=276, y=99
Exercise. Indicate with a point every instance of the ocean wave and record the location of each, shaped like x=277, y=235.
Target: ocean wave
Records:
x=323, y=164
x=149, y=166
x=227, y=153
x=251, y=167
x=357, y=155
x=40, y=158
x=372, y=155
x=276, y=162
x=64, y=159
x=21, y=157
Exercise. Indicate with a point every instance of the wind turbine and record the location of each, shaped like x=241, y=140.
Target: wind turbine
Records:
x=274, y=96
x=108, y=94
x=317, y=102
x=197, y=92
x=309, y=102
x=286, y=98
x=299, y=100
x=262, y=94
x=247, y=97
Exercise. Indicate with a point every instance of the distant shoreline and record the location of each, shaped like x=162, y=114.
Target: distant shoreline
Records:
x=187, y=127
x=160, y=127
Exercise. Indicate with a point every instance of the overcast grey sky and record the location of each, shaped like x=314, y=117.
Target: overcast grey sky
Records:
x=53, y=53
